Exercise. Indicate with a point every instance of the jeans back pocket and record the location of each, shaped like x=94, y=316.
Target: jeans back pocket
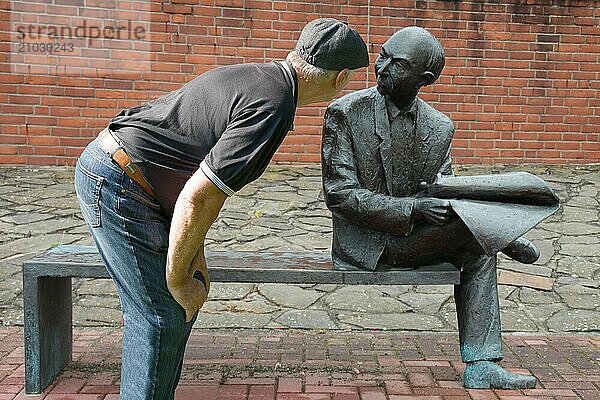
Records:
x=87, y=187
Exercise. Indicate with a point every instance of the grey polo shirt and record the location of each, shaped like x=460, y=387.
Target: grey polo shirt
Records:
x=229, y=122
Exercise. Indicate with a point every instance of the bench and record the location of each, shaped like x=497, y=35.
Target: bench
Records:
x=48, y=303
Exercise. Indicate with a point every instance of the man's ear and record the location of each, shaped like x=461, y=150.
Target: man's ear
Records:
x=342, y=78
x=427, y=78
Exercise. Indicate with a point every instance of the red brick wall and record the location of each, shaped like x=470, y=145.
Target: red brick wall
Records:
x=521, y=80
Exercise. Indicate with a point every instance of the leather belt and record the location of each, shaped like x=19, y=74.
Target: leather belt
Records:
x=111, y=146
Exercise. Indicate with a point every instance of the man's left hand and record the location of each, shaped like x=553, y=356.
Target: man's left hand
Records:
x=190, y=293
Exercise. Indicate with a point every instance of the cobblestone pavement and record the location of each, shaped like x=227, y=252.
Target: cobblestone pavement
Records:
x=284, y=210
x=307, y=365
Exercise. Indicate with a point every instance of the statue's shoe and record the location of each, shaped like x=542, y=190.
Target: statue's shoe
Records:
x=488, y=374
x=522, y=250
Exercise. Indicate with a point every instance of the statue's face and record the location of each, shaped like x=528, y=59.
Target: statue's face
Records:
x=400, y=65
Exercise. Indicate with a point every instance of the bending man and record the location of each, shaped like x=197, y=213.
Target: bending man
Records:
x=155, y=179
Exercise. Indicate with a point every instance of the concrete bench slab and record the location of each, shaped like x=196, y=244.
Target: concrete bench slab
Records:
x=48, y=307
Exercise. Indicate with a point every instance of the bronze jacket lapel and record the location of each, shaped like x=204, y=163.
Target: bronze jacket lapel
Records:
x=382, y=129
x=433, y=139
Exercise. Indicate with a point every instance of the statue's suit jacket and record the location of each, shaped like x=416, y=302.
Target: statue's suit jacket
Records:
x=368, y=207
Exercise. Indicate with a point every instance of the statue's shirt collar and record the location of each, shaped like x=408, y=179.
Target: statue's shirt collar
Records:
x=393, y=111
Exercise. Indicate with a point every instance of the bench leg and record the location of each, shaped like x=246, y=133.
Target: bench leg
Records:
x=48, y=329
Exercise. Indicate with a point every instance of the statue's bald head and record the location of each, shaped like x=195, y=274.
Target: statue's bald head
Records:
x=422, y=44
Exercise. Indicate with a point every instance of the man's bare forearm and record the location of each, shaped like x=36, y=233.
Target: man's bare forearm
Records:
x=196, y=209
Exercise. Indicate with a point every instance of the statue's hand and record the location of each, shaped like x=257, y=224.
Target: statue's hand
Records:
x=435, y=211
x=428, y=188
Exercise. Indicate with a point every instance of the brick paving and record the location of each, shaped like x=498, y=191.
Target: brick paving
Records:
x=318, y=365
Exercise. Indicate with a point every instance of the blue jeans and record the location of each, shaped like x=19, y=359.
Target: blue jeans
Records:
x=132, y=235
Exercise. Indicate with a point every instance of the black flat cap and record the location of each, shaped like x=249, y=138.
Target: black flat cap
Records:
x=330, y=44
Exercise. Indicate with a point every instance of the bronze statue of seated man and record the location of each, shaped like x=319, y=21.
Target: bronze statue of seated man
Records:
x=381, y=147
